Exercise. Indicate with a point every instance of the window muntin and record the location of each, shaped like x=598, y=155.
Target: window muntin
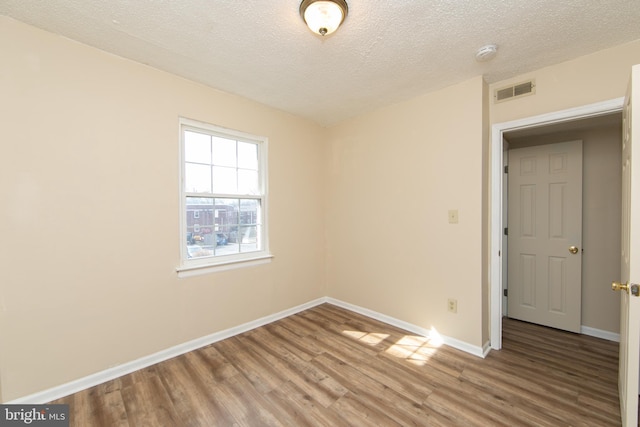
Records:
x=223, y=195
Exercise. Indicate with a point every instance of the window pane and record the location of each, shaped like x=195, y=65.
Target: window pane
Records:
x=199, y=227
x=224, y=180
x=197, y=178
x=249, y=211
x=227, y=249
x=224, y=152
x=247, y=155
x=226, y=226
x=197, y=147
x=247, y=182
x=249, y=239
x=226, y=217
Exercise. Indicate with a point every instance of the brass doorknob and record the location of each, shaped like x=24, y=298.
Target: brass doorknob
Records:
x=617, y=286
x=635, y=289
x=573, y=249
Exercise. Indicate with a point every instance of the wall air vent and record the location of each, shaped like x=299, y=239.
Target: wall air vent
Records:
x=515, y=91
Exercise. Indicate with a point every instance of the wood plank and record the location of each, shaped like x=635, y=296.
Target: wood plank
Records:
x=328, y=366
x=188, y=394
x=311, y=380
x=301, y=409
x=357, y=413
x=373, y=393
x=257, y=370
x=147, y=403
x=244, y=403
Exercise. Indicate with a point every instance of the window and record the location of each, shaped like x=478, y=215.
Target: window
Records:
x=224, y=197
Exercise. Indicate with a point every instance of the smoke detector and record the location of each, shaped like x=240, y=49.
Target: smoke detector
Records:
x=486, y=53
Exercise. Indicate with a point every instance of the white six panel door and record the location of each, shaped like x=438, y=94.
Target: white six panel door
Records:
x=545, y=226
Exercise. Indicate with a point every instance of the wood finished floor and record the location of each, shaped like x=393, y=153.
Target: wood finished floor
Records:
x=331, y=367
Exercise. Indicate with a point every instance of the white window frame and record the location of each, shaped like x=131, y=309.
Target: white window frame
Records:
x=190, y=267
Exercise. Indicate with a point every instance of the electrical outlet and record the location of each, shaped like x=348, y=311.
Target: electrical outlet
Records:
x=452, y=305
x=453, y=216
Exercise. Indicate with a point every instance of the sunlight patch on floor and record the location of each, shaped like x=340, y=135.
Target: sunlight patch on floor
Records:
x=414, y=348
x=371, y=338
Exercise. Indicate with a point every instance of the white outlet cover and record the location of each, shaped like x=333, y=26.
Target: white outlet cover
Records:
x=453, y=216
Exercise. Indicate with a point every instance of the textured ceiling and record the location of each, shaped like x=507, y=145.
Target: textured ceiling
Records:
x=386, y=50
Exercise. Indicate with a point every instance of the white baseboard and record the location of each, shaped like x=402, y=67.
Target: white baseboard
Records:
x=599, y=333
x=92, y=380
x=418, y=330
x=486, y=348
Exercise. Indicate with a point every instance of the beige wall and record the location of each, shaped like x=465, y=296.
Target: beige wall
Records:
x=597, y=77
x=601, y=215
x=89, y=212
x=393, y=176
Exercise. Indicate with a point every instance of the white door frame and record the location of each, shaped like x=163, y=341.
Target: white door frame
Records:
x=495, y=251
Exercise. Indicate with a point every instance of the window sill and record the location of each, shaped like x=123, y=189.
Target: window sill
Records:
x=197, y=270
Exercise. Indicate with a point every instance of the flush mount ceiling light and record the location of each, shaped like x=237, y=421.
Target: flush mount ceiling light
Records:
x=323, y=16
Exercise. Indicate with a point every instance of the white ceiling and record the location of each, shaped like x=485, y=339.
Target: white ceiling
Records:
x=386, y=50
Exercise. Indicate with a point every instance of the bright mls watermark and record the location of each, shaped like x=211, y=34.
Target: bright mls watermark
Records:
x=34, y=415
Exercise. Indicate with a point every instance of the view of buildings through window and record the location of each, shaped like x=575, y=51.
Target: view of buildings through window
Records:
x=221, y=226
x=223, y=194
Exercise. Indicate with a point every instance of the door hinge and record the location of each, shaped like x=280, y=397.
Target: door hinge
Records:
x=506, y=231
x=505, y=292
x=506, y=169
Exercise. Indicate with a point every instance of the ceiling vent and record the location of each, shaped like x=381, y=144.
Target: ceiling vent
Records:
x=515, y=91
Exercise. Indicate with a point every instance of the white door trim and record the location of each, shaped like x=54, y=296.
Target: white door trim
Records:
x=495, y=247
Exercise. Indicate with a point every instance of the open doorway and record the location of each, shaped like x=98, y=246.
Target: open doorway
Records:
x=572, y=120
x=597, y=307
